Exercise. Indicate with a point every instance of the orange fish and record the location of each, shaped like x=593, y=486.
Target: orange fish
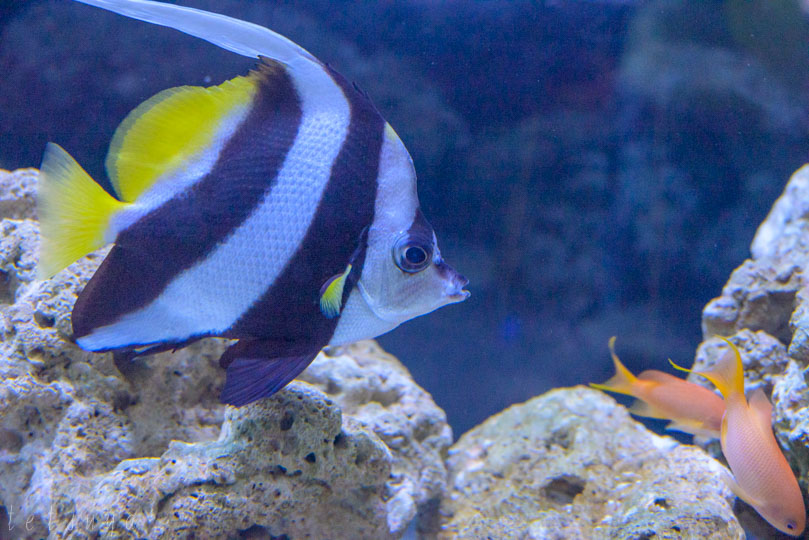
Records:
x=691, y=408
x=761, y=475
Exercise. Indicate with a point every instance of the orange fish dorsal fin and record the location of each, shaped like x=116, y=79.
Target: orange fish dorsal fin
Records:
x=728, y=373
x=762, y=410
x=166, y=131
x=623, y=382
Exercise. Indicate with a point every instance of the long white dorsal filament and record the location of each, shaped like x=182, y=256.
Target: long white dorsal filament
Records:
x=240, y=37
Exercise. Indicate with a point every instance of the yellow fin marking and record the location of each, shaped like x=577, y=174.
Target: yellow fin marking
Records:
x=675, y=366
x=331, y=298
x=728, y=373
x=169, y=129
x=74, y=212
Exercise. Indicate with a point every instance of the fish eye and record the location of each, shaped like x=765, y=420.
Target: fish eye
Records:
x=412, y=255
x=415, y=255
x=791, y=525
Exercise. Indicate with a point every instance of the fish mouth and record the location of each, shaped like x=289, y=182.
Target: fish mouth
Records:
x=457, y=293
x=454, y=283
x=459, y=296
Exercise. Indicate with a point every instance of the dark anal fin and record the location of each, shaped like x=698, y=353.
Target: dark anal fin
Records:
x=258, y=369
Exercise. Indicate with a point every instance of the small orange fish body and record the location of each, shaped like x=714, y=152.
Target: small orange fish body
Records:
x=761, y=475
x=690, y=407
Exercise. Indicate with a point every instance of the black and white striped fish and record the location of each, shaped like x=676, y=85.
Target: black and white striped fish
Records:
x=276, y=208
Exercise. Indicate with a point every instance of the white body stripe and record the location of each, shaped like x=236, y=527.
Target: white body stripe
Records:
x=178, y=180
x=210, y=296
x=363, y=316
x=357, y=321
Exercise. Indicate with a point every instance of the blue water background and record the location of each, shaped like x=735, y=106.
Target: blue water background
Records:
x=594, y=168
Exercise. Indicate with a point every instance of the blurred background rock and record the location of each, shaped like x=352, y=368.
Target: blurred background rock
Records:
x=595, y=168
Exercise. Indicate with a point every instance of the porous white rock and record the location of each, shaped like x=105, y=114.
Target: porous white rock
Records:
x=572, y=463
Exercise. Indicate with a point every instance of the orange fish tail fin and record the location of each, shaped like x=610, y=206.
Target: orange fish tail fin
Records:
x=623, y=382
x=728, y=373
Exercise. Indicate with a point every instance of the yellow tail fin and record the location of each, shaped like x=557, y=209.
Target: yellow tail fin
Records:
x=74, y=212
x=728, y=373
x=623, y=382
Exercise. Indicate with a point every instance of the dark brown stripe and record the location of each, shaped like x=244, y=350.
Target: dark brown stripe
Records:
x=148, y=255
x=290, y=309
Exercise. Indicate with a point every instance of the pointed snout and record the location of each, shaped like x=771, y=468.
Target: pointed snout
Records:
x=455, y=283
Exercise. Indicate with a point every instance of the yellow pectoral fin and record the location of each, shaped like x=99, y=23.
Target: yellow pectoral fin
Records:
x=165, y=131
x=74, y=212
x=331, y=294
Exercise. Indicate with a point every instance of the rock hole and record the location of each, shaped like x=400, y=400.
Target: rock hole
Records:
x=423, y=430
x=385, y=398
x=662, y=503
x=310, y=457
x=675, y=528
x=340, y=441
x=6, y=288
x=648, y=535
x=287, y=421
x=257, y=532
x=10, y=441
x=362, y=457
x=44, y=321
x=333, y=388
x=563, y=489
x=560, y=437
x=122, y=400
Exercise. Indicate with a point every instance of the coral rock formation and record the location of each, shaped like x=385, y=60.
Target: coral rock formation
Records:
x=762, y=293
x=765, y=308
x=573, y=464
